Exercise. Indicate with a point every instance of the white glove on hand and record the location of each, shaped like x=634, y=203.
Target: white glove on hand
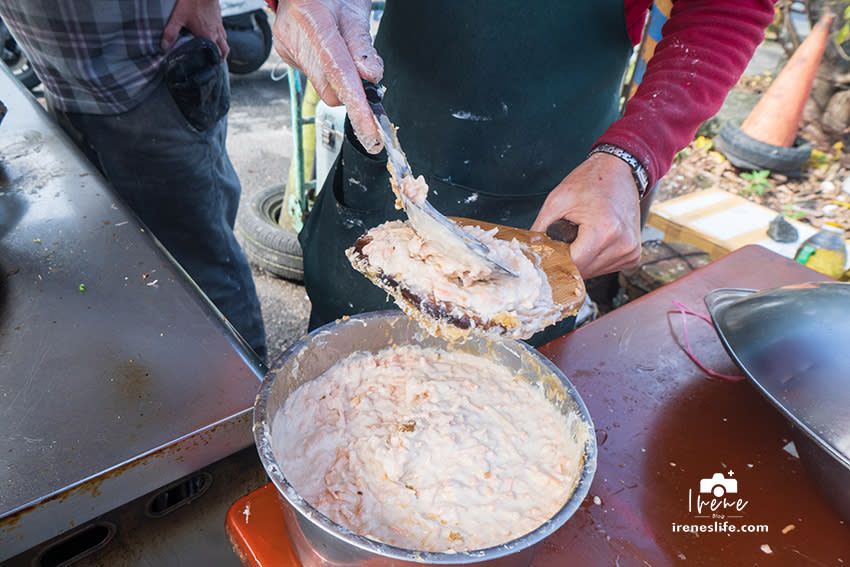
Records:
x=329, y=40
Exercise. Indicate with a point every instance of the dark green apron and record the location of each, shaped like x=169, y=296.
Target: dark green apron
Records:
x=495, y=103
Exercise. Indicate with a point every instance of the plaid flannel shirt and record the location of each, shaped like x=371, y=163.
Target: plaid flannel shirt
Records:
x=93, y=56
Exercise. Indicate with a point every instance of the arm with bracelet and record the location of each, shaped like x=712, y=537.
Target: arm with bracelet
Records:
x=705, y=49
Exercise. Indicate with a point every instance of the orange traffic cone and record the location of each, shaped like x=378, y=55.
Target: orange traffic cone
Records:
x=776, y=117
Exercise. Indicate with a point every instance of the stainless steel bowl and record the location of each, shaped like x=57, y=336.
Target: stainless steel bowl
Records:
x=317, y=540
x=792, y=343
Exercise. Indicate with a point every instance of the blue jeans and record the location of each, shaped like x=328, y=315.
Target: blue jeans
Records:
x=181, y=184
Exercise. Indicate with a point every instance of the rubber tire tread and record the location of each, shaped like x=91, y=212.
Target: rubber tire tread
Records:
x=259, y=17
x=28, y=78
x=267, y=245
x=745, y=152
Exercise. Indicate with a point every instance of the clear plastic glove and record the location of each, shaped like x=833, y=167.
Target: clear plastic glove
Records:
x=600, y=196
x=329, y=40
x=202, y=18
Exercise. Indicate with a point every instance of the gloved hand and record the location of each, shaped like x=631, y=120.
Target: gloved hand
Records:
x=600, y=196
x=202, y=18
x=329, y=40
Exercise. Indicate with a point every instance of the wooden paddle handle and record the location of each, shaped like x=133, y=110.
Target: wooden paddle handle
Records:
x=563, y=230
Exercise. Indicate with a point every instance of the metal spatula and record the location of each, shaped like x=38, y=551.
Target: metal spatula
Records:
x=425, y=219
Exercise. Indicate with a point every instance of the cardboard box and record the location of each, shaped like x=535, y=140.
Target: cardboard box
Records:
x=719, y=222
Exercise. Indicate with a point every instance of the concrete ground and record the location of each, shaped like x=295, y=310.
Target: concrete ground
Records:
x=260, y=145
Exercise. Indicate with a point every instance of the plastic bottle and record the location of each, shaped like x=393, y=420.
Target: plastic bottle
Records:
x=824, y=251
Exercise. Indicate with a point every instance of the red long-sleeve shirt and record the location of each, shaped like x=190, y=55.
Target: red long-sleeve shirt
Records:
x=705, y=48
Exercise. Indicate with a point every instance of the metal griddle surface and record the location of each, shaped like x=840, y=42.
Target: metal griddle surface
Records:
x=117, y=375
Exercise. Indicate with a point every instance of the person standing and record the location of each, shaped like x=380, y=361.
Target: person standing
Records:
x=511, y=111
x=142, y=88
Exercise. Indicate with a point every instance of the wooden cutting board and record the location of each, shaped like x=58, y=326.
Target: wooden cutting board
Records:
x=555, y=260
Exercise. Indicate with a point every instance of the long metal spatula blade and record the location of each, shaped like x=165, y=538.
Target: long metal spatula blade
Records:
x=424, y=218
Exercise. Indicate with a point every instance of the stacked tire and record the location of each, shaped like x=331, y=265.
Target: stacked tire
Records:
x=745, y=152
x=267, y=244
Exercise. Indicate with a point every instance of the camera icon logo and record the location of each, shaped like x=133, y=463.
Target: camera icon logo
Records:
x=718, y=485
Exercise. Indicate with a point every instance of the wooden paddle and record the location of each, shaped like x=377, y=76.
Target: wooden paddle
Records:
x=553, y=247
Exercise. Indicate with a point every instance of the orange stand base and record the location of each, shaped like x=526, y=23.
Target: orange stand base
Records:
x=255, y=527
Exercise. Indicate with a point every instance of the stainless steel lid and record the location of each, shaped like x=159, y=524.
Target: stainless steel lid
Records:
x=793, y=344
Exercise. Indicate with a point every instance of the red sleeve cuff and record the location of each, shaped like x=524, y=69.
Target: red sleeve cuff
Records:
x=705, y=48
x=272, y=4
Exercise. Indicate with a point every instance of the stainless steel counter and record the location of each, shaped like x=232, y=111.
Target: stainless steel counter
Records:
x=117, y=375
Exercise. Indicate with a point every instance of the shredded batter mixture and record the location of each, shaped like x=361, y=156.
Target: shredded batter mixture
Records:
x=450, y=298
x=415, y=188
x=427, y=449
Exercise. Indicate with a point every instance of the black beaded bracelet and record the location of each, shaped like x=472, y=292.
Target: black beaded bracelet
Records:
x=638, y=170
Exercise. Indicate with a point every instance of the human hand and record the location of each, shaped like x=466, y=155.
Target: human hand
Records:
x=202, y=18
x=600, y=196
x=329, y=40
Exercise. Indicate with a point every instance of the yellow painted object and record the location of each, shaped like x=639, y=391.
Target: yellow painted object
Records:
x=658, y=15
x=291, y=215
x=824, y=251
x=308, y=134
